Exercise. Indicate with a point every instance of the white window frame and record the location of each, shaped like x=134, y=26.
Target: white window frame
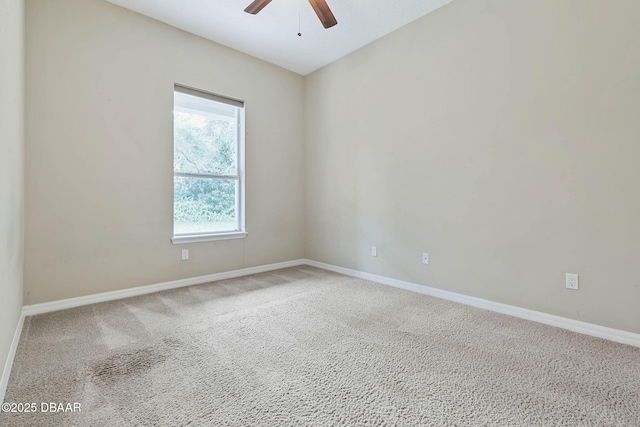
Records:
x=240, y=232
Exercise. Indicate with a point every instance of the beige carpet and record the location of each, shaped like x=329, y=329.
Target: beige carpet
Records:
x=304, y=346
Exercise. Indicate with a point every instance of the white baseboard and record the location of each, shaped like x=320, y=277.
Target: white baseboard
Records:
x=47, y=307
x=6, y=372
x=616, y=335
x=598, y=331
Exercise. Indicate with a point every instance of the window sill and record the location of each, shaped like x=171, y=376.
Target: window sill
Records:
x=196, y=238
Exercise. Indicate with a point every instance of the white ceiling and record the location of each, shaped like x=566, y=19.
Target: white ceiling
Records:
x=272, y=36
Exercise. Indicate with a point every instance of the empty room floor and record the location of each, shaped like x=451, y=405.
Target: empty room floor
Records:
x=304, y=346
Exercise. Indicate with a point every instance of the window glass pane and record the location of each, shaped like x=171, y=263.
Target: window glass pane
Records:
x=204, y=205
x=205, y=136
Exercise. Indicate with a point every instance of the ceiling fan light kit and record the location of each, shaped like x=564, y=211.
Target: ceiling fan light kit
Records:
x=319, y=6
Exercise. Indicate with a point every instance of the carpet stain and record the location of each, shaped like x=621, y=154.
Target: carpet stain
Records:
x=126, y=364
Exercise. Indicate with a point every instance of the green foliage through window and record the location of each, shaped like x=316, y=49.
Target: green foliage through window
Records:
x=205, y=144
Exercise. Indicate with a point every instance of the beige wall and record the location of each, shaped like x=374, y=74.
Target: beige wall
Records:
x=100, y=151
x=11, y=170
x=502, y=137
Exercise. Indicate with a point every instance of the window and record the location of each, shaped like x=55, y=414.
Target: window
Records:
x=208, y=166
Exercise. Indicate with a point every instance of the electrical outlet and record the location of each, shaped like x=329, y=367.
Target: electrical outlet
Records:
x=185, y=254
x=374, y=251
x=572, y=281
x=425, y=258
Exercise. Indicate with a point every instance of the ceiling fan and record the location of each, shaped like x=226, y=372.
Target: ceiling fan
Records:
x=319, y=6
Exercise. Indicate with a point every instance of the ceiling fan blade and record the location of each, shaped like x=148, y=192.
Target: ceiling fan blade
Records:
x=324, y=13
x=257, y=6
